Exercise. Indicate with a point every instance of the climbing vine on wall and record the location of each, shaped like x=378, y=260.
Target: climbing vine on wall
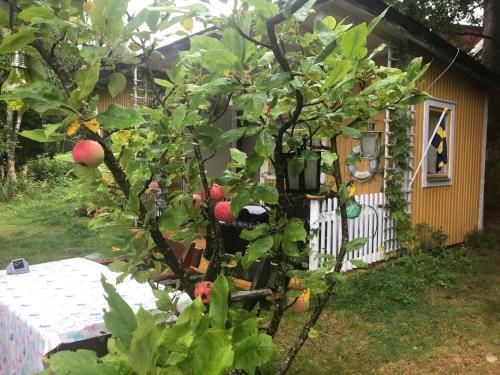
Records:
x=401, y=123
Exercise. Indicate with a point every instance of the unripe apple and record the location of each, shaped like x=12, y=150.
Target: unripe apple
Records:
x=197, y=200
x=203, y=289
x=223, y=212
x=88, y=153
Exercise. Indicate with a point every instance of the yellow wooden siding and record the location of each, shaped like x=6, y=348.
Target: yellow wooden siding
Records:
x=345, y=145
x=454, y=208
x=124, y=98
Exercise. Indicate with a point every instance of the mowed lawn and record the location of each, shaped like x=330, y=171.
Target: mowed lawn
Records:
x=418, y=316
x=413, y=315
x=44, y=228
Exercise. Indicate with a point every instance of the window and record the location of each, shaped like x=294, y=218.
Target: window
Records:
x=438, y=142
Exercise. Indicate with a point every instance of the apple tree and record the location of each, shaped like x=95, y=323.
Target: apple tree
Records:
x=291, y=88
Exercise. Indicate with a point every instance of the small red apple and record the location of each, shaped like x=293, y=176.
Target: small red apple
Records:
x=203, y=289
x=153, y=185
x=217, y=193
x=223, y=212
x=197, y=200
x=88, y=153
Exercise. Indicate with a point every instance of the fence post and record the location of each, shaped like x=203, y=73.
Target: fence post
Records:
x=314, y=216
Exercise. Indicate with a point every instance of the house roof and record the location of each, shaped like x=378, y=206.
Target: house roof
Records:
x=421, y=35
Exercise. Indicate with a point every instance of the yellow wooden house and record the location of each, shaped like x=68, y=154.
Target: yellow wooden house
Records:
x=450, y=199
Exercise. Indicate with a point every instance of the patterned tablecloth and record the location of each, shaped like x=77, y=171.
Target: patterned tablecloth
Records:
x=57, y=302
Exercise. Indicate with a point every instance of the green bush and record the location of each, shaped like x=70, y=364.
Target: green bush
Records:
x=480, y=241
x=10, y=190
x=51, y=170
x=431, y=241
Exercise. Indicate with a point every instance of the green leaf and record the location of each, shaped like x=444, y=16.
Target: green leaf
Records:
x=381, y=84
x=144, y=343
x=374, y=22
x=257, y=249
x=214, y=353
x=81, y=362
x=350, y=132
x=302, y=13
x=323, y=32
x=93, y=54
x=265, y=144
x=356, y=244
x=296, y=165
x=87, y=79
x=259, y=231
x=177, y=118
x=358, y=263
x=337, y=72
x=116, y=84
x=39, y=135
x=329, y=158
x=41, y=96
x=353, y=42
x=219, y=302
x=242, y=199
x=17, y=41
x=266, y=193
x=312, y=333
x=120, y=319
x=30, y=13
x=118, y=117
x=254, y=351
x=164, y=83
x=171, y=218
x=4, y=18
x=238, y=156
x=294, y=230
x=214, y=55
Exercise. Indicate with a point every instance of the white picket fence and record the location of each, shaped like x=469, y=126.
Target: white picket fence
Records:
x=374, y=222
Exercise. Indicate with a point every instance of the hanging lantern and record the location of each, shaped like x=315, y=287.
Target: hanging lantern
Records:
x=370, y=143
x=307, y=181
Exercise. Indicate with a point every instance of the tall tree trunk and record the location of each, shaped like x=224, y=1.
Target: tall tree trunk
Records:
x=491, y=58
x=12, y=134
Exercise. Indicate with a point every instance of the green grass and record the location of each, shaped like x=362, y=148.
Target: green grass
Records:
x=418, y=315
x=44, y=227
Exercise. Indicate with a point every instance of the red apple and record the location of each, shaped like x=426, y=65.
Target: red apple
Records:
x=153, y=185
x=223, y=212
x=203, y=289
x=217, y=193
x=88, y=153
x=197, y=200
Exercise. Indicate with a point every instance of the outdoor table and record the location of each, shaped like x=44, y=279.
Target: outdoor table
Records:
x=56, y=303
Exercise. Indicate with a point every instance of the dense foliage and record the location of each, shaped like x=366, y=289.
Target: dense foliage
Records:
x=289, y=87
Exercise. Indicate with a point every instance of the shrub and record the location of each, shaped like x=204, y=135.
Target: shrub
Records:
x=431, y=241
x=480, y=241
x=50, y=170
x=10, y=190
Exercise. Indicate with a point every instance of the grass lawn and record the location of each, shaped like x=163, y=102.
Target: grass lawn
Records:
x=415, y=315
x=421, y=315
x=44, y=229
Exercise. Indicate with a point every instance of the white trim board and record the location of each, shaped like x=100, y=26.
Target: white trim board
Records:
x=480, y=220
x=450, y=140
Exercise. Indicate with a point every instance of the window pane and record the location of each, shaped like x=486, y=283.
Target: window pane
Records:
x=434, y=116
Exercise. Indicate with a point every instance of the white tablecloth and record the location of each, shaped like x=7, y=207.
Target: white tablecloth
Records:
x=57, y=302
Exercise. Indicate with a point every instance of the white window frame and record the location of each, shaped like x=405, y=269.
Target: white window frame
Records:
x=438, y=103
